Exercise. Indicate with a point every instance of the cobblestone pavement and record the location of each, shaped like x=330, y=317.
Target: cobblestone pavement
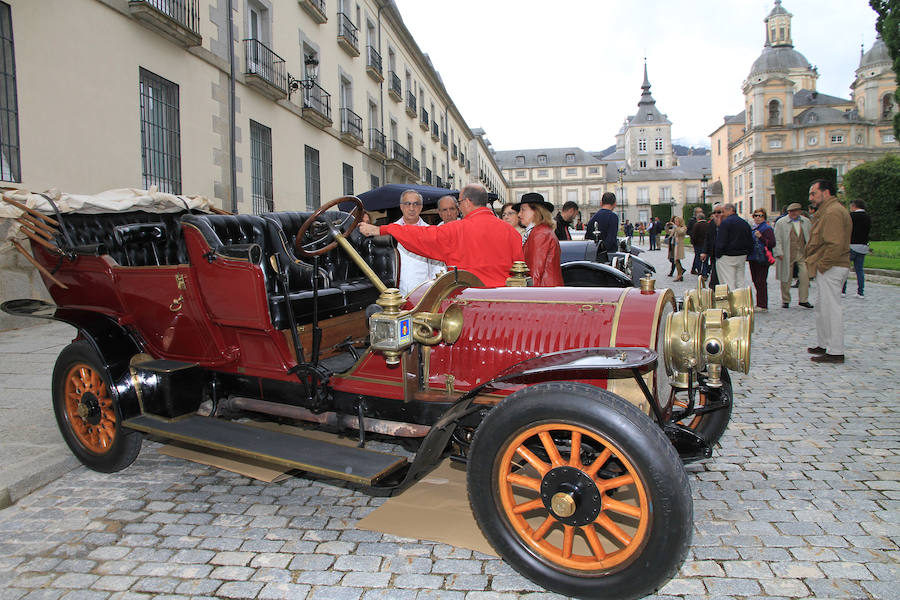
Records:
x=802, y=499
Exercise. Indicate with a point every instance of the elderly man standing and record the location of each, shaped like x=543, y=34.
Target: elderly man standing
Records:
x=414, y=269
x=447, y=209
x=791, y=238
x=734, y=241
x=479, y=242
x=828, y=258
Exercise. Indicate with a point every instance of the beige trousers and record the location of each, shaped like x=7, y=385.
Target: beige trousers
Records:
x=803, y=283
x=731, y=270
x=829, y=316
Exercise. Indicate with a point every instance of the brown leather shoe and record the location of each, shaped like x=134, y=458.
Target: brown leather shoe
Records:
x=828, y=358
x=816, y=350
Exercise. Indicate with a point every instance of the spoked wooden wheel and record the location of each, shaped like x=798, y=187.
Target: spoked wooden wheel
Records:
x=86, y=411
x=580, y=492
x=89, y=409
x=579, y=516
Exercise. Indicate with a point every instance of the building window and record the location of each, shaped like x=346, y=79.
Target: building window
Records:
x=659, y=163
x=160, y=134
x=542, y=159
x=642, y=164
x=665, y=193
x=642, y=146
x=261, y=167
x=348, y=179
x=658, y=145
x=859, y=139
x=520, y=173
x=313, y=194
x=543, y=173
x=520, y=161
x=570, y=158
x=593, y=170
x=887, y=107
x=774, y=173
x=643, y=195
x=774, y=113
x=813, y=140
x=374, y=182
x=888, y=138
x=594, y=197
x=571, y=195
x=775, y=143
x=10, y=169
x=571, y=172
x=650, y=117
x=719, y=147
x=837, y=139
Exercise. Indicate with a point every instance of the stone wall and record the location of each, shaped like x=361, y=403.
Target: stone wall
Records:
x=18, y=279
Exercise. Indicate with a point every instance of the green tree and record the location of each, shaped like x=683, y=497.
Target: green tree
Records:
x=888, y=25
x=877, y=183
x=793, y=186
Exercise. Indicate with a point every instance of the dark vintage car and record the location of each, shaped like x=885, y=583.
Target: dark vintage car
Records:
x=573, y=408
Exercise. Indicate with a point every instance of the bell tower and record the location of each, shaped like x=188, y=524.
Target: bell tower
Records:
x=778, y=27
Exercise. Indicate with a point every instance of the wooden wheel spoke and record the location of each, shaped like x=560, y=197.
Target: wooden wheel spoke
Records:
x=522, y=481
x=543, y=529
x=594, y=541
x=533, y=460
x=598, y=462
x=607, y=484
x=528, y=506
x=552, y=451
x=616, y=506
x=606, y=523
x=568, y=538
x=575, y=452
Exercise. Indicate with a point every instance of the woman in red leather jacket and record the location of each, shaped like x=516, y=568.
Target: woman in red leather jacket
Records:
x=541, y=247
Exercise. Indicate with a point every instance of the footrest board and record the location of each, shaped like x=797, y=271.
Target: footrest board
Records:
x=357, y=465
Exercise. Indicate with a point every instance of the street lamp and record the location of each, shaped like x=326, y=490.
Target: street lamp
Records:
x=621, y=192
x=311, y=70
x=704, y=181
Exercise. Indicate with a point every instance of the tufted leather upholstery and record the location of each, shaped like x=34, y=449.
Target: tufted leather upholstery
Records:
x=129, y=245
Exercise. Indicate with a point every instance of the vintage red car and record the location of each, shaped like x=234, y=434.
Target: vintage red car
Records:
x=573, y=407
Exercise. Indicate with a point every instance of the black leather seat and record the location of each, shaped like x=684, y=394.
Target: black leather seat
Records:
x=132, y=239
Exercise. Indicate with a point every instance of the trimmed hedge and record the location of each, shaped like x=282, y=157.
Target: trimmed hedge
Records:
x=793, y=186
x=687, y=213
x=663, y=211
x=878, y=184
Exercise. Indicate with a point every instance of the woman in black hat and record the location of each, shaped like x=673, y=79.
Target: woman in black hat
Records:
x=541, y=247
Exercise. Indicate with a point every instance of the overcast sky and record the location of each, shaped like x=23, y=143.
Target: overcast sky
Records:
x=539, y=74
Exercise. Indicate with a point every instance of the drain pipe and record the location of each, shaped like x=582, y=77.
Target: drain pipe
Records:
x=232, y=135
x=381, y=104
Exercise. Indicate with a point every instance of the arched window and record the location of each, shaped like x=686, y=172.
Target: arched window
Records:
x=887, y=106
x=774, y=113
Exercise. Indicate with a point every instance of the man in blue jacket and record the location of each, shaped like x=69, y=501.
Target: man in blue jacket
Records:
x=604, y=225
x=734, y=241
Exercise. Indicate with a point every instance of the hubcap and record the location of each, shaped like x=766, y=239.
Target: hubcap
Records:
x=89, y=408
x=563, y=504
x=571, y=495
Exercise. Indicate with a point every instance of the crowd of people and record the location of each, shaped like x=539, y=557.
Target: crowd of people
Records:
x=800, y=247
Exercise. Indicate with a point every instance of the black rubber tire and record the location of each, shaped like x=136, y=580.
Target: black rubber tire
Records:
x=712, y=425
x=122, y=445
x=667, y=536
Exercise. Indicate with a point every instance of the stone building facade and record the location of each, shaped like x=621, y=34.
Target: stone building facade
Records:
x=787, y=124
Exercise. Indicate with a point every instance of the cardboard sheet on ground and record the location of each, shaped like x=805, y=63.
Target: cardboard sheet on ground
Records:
x=436, y=509
x=248, y=467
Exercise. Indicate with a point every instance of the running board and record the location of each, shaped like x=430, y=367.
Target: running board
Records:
x=349, y=463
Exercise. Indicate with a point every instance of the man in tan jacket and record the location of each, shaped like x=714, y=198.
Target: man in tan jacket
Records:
x=828, y=259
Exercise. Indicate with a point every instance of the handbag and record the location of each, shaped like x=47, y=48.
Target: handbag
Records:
x=769, y=258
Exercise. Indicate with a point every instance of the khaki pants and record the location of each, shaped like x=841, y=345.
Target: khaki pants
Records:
x=802, y=278
x=829, y=316
x=731, y=270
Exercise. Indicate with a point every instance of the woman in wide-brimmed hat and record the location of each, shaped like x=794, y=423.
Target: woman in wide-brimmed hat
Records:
x=542, y=253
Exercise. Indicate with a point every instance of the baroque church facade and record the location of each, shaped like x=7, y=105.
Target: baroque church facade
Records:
x=787, y=124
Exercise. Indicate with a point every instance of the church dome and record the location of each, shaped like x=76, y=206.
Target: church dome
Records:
x=877, y=54
x=778, y=59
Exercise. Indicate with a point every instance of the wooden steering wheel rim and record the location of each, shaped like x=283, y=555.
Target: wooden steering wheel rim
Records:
x=357, y=217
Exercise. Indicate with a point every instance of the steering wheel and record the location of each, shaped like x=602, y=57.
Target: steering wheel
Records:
x=334, y=228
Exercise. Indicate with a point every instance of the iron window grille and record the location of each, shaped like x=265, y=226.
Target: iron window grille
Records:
x=261, y=168
x=10, y=167
x=348, y=179
x=160, y=133
x=313, y=191
x=376, y=141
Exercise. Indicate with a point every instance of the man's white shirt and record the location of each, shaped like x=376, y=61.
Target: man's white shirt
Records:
x=415, y=269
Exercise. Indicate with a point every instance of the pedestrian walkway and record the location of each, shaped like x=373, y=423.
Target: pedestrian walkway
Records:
x=800, y=499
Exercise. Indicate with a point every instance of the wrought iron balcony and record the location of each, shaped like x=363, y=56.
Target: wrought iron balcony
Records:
x=315, y=9
x=264, y=69
x=348, y=35
x=468, y=166
x=394, y=90
x=427, y=176
x=178, y=20
x=414, y=166
x=377, y=144
x=373, y=64
x=316, y=105
x=423, y=119
x=351, y=127
x=410, y=103
x=438, y=182
x=435, y=132
x=400, y=154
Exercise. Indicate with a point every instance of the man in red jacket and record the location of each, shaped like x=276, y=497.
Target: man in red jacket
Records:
x=480, y=243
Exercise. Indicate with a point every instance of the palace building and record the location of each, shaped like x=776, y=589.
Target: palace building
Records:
x=787, y=124
x=260, y=104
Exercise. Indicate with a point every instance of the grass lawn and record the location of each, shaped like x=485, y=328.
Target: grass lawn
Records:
x=884, y=255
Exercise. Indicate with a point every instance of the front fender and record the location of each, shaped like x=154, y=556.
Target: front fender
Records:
x=114, y=344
